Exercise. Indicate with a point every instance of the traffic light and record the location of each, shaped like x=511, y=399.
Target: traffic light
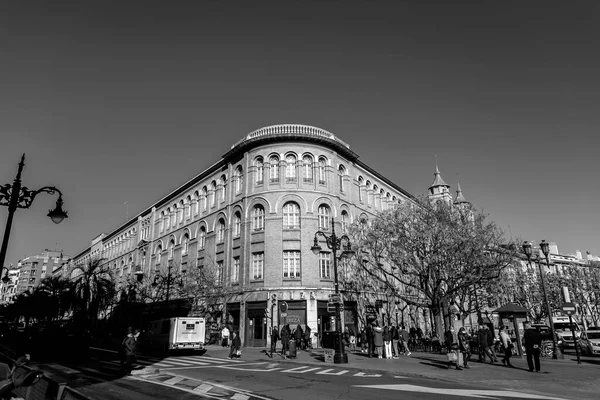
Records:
x=274, y=299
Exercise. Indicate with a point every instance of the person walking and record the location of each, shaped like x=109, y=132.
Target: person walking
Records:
x=307, y=339
x=451, y=340
x=364, y=343
x=298, y=336
x=484, y=345
x=236, y=347
x=371, y=339
x=490, y=341
x=378, y=340
x=464, y=346
x=395, y=338
x=274, y=339
x=352, y=339
x=129, y=349
x=507, y=346
x=285, y=340
x=533, y=342
x=404, y=337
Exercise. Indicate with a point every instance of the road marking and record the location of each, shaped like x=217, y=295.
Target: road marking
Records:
x=477, y=393
x=174, y=380
x=363, y=375
x=234, y=366
x=239, y=396
x=328, y=372
x=204, y=388
x=300, y=370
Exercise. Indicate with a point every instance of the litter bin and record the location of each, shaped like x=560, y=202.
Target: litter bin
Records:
x=293, y=348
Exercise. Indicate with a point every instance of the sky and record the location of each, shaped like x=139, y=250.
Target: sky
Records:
x=117, y=103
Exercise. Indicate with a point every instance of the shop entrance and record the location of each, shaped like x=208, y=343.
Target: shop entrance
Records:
x=256, y=326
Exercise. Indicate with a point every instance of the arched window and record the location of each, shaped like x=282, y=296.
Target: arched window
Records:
x=180, y=210
x=202, y=238
x=158, y=253
x=361, y=183
x=322, y=166
x=291, y=216
x=345, y=220
x=258, y=218
x=223, y=184
x=307, y=168
x=174, y=216
x=212, y=194
x=260, y=170
x=171, y=249
x=290, y=168
x=188, y=207
x=185, y=244
x=221, y=231
x=196, y=202
x=237, y=225
x=375, y=191
x=274, y=169
x=239, y=173
x=369, y=193
x=381, y=198
x=342, y=172
x=324, y=214
x=204, y=198
x=161, y=223
x=168, y=219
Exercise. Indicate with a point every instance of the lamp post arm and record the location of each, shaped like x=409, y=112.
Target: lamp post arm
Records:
x=27, y=196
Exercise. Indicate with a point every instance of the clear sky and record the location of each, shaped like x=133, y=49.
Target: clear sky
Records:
x=121, y=101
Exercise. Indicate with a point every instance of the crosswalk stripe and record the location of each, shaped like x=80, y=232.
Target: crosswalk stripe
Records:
x=204, y=388
x=239, y=396
x=328, y=372
x=300, y=370
x=203, y=359
x=174, y=380
x=169, y=362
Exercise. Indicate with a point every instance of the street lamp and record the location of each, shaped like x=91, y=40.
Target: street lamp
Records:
x=527, y=249
x=335, y=243
x=16, y=196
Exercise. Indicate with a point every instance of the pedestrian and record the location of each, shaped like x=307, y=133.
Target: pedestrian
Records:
x=236, y=347
x=274, y=339
x=490, y=341
x=464, y=346
x=395, y=338
x=371, y=339
x=364, y=344
x=387, y=342
x=451, y=340
x=225, y=337
x=484, y=345
x=285, y=340
x=533, y=342
x=378, y=340
x=129, y=345
x=352, y=339
x=507, y=346
x=298, y=336
x=404, y=336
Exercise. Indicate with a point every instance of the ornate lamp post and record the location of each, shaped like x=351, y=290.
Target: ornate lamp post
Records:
x=527, y=249
x=16, y=196
x=335, y=243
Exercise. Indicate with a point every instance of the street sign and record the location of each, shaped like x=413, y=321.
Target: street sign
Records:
x=283, y=307
x=569, y=308
x=334, y=298
x=331, y=308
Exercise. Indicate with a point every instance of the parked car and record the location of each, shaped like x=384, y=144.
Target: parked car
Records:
x=590, y=342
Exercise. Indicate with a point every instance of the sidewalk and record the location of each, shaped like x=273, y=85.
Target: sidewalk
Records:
x=560, y=378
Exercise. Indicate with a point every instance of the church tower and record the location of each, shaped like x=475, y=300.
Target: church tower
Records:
x=439, y=190
x=460, y=200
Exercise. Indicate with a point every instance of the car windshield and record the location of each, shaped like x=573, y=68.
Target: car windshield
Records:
x=565, y=326
x=593, y=335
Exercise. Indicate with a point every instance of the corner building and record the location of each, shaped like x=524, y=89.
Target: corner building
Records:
x=253, y=215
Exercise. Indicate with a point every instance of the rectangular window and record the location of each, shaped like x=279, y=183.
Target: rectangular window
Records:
x=258, y=261
x=291, y=264
x=219, y=274
x=258, y=219
x=325, y=265
x=235, y=270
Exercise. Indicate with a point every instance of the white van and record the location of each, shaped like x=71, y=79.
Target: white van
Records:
x=562, y=327
x=181, y=333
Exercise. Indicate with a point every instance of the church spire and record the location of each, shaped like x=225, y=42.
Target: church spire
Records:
x=460, y=198
x=439, y=190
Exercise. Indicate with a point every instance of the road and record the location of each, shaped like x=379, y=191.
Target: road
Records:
x=178, y=377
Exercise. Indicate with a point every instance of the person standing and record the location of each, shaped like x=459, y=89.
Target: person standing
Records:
x=285, y=340
x=378, y=340
x=387, y=342
x=507, y=346
x=533, y=342
x=307, y=338
x=352, y=339
x=371, y=339
x=404, y=336
x=225, y=337
x=484, y=345
x=236, y=347
x=298, y=335
x=395, y=337
x=274, y=339
x=129, y=349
